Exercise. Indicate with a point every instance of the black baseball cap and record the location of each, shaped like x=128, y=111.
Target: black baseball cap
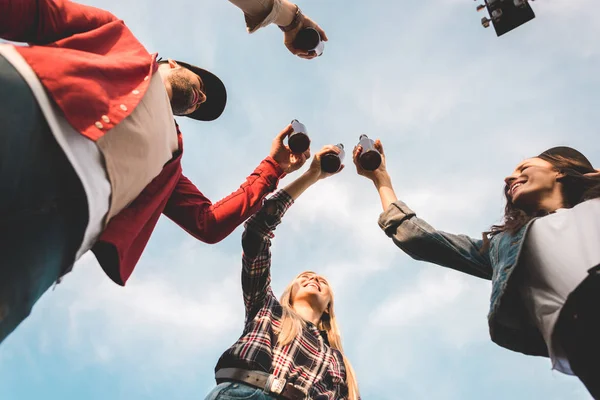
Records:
x=214, y=89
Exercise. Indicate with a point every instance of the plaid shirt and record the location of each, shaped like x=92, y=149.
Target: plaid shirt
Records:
x=308, y=362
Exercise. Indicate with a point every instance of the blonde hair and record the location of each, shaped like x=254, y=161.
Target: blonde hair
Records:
x=292, y=325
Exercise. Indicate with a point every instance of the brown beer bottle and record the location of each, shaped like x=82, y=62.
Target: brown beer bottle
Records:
x=332, y=162
x=298, y=141
x=310, y=40
x=369, y=158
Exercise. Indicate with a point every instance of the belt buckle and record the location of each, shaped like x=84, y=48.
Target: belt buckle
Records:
x=276, y=385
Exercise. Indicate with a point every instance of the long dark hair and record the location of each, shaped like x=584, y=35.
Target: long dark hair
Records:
x=576, y=188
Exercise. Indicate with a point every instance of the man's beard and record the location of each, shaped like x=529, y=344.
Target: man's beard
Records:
x=182, y=94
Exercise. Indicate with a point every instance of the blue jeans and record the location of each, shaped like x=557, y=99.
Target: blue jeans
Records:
x=237, y=391
x=43, y=207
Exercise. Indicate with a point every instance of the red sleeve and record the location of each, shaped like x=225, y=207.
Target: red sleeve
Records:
x=46, y=21
x=211, y=223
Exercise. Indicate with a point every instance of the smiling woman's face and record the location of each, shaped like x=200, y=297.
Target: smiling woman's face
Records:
x=312, y=288
x=533, y=181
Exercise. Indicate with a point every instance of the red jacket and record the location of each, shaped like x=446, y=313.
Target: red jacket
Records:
x=73, y=46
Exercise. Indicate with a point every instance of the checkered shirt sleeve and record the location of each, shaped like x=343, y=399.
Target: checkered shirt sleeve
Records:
x=256, y=244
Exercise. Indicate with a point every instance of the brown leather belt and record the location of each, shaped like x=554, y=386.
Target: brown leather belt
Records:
x=261, y=380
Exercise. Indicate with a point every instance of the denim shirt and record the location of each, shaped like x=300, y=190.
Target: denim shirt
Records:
x=509, y=324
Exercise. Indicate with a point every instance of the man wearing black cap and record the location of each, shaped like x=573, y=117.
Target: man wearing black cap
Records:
x=90, y=155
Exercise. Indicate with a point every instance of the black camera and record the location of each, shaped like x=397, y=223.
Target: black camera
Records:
x=506, y=15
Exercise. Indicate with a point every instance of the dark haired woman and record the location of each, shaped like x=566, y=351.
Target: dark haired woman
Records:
x=543, y=260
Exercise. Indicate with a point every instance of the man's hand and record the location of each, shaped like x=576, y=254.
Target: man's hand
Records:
x=288, y=161
x=288, y=37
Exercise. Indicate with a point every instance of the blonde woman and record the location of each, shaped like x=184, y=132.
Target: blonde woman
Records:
x=291, y=348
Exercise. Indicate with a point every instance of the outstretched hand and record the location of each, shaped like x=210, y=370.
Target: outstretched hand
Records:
x=288, y=37
x=372, y=175
x=315, y=166
x=288, y=161
x=380, y=177
x=312, y=175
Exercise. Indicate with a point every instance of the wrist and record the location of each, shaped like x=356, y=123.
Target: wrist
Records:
x=382, y=180
x=277, y=168
x=310, y=177
x=290, y=17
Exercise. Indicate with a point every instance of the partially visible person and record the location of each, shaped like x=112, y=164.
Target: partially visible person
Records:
x=291, y=348
x=90, y=154
x=285, y=14
x=543, y=260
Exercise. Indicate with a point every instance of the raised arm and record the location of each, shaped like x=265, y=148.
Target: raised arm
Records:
x=212, y=222
x=256, y=245
x=260, y=13
x=256, y=239
x=46, y=21
x=416, y=237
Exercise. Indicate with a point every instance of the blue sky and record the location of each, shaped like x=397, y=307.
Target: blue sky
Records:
x=456, y=109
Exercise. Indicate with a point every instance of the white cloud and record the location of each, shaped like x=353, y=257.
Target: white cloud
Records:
x=170, y=320
x=441, y=300
x=456, y=108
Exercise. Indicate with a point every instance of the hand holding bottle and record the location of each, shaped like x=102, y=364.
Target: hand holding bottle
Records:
x=295, y=44
x=316, y=169
x=287, y=160
x=380, y=177
x=378, y=174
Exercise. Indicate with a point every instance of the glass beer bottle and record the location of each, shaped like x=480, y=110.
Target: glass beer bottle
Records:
x=369, y=158
x=332, y=162
x=309, y=39
x=298, y=141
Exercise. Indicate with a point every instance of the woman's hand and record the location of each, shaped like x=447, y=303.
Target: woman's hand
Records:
x=315, y=170
x=378, y=176
x=314, y=174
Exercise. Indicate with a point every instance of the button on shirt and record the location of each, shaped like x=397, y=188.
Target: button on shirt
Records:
x=115, y=169
x=90, y=90
x=308, y=362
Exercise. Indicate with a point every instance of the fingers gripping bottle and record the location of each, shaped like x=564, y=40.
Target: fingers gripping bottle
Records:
x=332, y=162
x=298, y=141
x=309, y=39
x=370, y=158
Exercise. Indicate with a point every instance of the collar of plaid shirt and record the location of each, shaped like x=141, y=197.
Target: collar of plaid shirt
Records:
x=308, y=362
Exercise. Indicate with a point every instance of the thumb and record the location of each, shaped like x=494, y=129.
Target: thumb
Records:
x=284, y=133
x=322, y=33
x=379, y=146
